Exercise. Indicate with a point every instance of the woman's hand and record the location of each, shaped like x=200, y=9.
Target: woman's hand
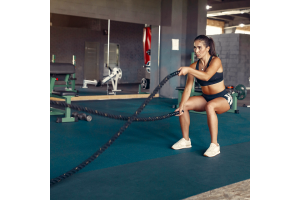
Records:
x=183, y=71
x=180, y=108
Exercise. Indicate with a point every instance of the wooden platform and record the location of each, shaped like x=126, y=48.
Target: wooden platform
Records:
x=106, y=97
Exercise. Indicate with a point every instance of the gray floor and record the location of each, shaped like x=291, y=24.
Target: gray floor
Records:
x=236, y=191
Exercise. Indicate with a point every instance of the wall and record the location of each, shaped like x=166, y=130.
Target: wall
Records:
x=182, y=20
x=234, y=52
x=179, y=19
x=66, y=41
x=244, y=60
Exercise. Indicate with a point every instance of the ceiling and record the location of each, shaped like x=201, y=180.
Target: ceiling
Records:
x=232, y=12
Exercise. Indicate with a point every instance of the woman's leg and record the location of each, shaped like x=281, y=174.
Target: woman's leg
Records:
x=216, y=106
x=196, y=103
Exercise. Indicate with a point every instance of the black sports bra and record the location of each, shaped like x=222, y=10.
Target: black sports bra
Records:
x=216, y=78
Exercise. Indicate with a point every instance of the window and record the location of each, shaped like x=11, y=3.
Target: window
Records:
x=242, y=31
x=213, y=30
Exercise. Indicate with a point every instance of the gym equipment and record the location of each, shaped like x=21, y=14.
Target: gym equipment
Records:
x=145, y=82
x=241, y=91
x=147, y=44
x=69, y=79
x=85, y=117
x=82, y=116
x=60, y=120
x=74, y=114
x=147, y=67
x=64, y=70
x=85, y=82
x=114, y=75
x=124, y=127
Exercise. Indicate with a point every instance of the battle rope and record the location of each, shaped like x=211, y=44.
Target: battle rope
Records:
x=122, y=129
x=120, y=117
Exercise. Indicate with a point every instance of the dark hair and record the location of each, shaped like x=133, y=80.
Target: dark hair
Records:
x=208, y=42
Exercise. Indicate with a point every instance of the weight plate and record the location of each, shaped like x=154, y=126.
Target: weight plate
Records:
x=241, y=91
x=148, y=83
x=145, y=83
x=89, y=118
x=120, y=73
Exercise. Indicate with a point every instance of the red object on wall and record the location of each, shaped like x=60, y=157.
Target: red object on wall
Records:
x=147, y=43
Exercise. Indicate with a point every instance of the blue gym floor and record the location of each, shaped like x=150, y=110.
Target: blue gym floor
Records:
x=140, y=164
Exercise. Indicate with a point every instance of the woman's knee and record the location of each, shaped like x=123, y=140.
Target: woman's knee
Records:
x=196, y=103
x=210, y=107
x=187, y=106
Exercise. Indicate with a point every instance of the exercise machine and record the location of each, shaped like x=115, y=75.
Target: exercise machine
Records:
x=114, y=72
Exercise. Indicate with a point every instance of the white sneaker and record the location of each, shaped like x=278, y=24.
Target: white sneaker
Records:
x=182, y=143
x=213, y=150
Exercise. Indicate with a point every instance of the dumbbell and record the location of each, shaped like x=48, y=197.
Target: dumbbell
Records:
x=82, y=116
x=74, y=114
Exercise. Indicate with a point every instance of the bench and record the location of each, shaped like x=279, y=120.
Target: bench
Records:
x=62, y=71
x=197, y=91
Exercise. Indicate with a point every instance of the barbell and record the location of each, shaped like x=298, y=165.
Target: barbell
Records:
x=240, y=89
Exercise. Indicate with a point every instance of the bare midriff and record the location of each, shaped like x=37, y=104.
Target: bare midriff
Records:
x=213, y=89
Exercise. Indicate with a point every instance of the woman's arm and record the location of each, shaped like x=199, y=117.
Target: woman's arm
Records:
x=215, y=64
x=187, y=90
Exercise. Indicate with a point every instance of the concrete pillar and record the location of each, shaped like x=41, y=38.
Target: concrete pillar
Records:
x=183, y=20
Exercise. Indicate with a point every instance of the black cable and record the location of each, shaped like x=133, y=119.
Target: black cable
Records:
x=119, y=117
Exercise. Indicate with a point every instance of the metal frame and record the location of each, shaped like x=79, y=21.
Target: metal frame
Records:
x=56, y=111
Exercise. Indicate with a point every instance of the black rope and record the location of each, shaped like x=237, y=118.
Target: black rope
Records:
x=108, y=143
x=119, y=117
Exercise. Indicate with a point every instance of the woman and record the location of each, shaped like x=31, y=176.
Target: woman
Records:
x=208, y=72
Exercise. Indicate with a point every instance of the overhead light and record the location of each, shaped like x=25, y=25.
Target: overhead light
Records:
x=208, y=7
x=242, y=25
x=228, y=12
